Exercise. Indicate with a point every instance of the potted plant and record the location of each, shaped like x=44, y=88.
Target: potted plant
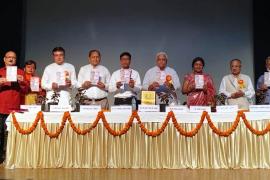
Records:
x=164, y=100
x=219, y=99
x=41, y=100
x=78, y=100
x=54, y=99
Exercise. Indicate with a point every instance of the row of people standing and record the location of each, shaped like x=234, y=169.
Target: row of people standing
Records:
x=97, y=82
x=125, y=83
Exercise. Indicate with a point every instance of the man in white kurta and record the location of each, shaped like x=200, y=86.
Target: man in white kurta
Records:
x=59, y=77
x=237, y=87
x=125, y=83
x=94, y=79
x=156, y=76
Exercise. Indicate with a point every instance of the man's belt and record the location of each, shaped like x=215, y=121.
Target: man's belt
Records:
x=88, y=99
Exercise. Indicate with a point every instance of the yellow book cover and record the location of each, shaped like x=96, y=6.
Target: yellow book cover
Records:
x=148, y=97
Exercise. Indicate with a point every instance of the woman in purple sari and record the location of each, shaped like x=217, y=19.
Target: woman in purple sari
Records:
x=199, y=86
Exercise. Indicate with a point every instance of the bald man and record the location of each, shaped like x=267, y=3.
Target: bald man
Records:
x=156, y=76
x=237, y=86
x=10, y=94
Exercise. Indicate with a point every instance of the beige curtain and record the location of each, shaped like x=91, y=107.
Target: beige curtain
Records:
x=99, y=149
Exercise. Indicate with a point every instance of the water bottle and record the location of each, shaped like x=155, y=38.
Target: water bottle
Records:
x=133, y=104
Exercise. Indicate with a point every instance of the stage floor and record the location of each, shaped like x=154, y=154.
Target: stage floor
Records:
x=129, y=174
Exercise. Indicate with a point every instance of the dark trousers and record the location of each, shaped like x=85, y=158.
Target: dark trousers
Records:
x=126, y=101
x=3, y=118
x=123, y=101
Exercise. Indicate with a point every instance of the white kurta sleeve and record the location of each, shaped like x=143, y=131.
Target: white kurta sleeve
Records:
x=113, y=81
x=45, y=80
x=249, y=93
x=73, y=77
x=146, y=80
x=137, y=88
x=81, y=78
x=222, y=88
x=107, y=79
x=176, y=80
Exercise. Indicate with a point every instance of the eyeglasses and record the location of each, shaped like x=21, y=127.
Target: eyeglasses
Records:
x=11, y=57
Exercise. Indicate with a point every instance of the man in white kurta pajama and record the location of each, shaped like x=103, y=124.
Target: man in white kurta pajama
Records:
x=237, y=87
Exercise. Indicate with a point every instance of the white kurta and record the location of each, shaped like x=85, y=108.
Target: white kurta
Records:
x=230, y=85
x=53, y=73
x=104, y=76
x=155, y=74
x=117, y=76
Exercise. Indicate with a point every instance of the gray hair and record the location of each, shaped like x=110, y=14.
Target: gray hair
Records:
x=162, y=54
x=267, y=59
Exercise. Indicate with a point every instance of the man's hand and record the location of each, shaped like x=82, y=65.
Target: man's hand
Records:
x=68, y=82
x=100, y=85
x=241, y=94
x=86, y=85
x=118, y=84
x=131, y=83
x=166, y=83
x=263, y=87
x=153, y=86
x=237, y=94
x=20, y=78
x=3, y=80
x=55, y=86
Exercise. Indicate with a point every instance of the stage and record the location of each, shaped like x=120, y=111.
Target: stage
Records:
x=133, y=174
x=138, y=140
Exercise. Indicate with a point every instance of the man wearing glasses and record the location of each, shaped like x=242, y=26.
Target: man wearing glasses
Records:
x=10, y=93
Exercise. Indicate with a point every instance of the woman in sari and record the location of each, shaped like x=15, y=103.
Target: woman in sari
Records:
x=32, y=97
x=199, y=86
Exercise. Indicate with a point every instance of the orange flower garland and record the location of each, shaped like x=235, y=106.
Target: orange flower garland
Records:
x=254, y=131
x=58, y=131
x=66, y=117
x=158, y=131
x=120, y=132
x=85, y=131
x=29, y=130
x=194, y=131
x=229, y=131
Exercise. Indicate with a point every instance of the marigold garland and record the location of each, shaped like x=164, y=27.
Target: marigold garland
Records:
x=85, y=131
x=58, y=131
x=191, y=133
x=159, y=130
x=229, y=131
x=255, y=131
x=30, y=129
x=67, y=117
x=120, y=132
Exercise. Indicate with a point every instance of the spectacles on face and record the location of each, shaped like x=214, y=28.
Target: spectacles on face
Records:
x=10, y=57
